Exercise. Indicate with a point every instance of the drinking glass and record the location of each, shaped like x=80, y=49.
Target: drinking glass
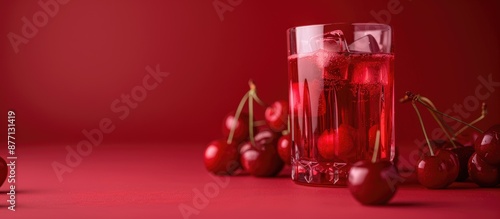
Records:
x=341, y=93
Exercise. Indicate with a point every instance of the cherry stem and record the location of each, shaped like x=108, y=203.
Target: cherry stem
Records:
x=484, y=112
x=458, y=120
x=287, y=131
x=423, y=127
x=258, y=100
x=375, y=150
x=428, y=104
x=236, y=117
x=253, y=93
x=428, y=101
x=250, y=118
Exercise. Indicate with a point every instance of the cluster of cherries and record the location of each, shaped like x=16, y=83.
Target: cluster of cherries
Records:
x=375, y=182
x=477, y=157
x=262, y=154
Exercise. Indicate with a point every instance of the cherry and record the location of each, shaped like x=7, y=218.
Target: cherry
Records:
x=338, y=143
x=373, y=183
x=277, y=116
x=262, y=160
x=463, y=154
x=432, y=172
x=3, y=171
x=482, y=173
x=241, y=127
x=285, y=148
x=452, y=165
x=468, y=138
x=221, y=158
x=487, y=146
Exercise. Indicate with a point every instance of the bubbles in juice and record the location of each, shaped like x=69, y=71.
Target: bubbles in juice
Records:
x=338, y=101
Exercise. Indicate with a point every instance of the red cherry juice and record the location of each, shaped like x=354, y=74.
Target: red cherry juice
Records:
x=338, y=101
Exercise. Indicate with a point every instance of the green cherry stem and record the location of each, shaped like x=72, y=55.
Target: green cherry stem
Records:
x=484, y=112
x=287, y=130
x=428, y=104
x=427, y=100
x=423, y=127
x=375, y=150
x=258, y=100
x=250, y=119
x=253, y=93
x=236, y=117
x=458, y=120
x=252, y=96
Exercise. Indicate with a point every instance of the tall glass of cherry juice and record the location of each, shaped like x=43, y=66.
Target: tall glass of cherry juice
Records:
x=341, y=92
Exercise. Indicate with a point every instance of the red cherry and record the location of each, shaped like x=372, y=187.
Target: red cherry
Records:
x=452, y=165
x=3, y=171
x=266, y=136
x=277, y=116
x=241, y=130
x=468, y=138
x=482, y=173
x=463, y=154
x=432, y=172
x=221, y=158
x=474, y=136
x=285, y=148
x=373, y=183
x=338, y=143
x=262, y=160
x=488, y=145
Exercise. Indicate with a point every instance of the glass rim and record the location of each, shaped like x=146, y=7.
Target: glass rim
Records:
x=371, y=24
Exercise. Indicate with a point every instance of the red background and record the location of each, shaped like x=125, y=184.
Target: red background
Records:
x=91, y=52
x=66, y=77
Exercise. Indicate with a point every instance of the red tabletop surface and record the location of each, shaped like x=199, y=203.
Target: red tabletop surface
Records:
x=156, y=181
